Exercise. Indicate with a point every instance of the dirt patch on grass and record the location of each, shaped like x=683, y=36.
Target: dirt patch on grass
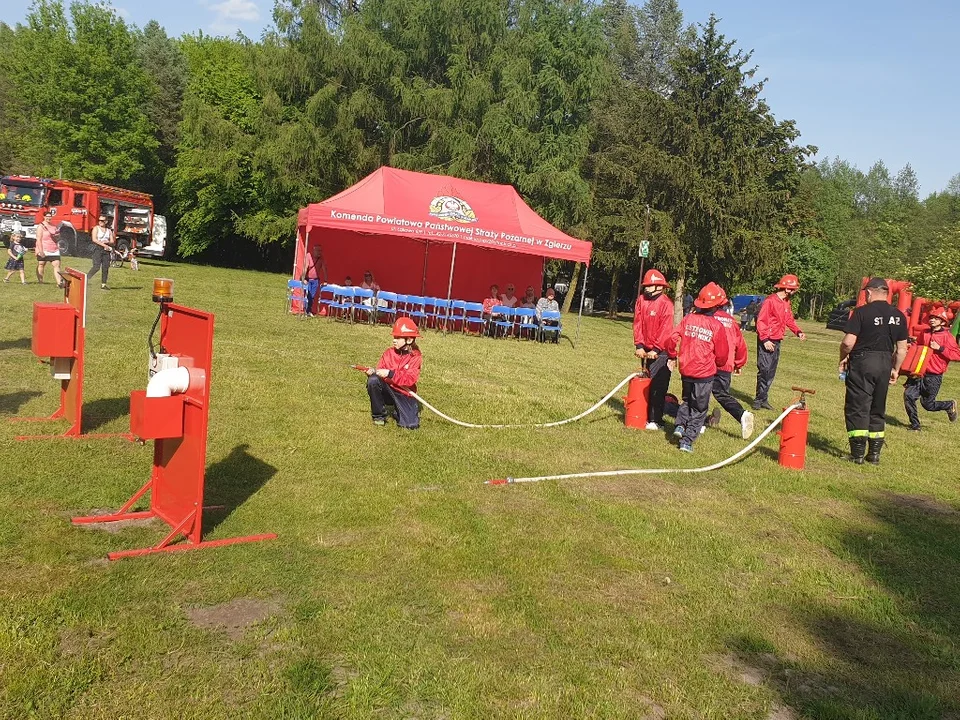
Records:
x=120, y=525
x=738, y=668
x=234, y=616
x=920, y=503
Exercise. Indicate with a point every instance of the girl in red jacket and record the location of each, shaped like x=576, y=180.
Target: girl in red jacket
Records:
x=926, y=387
x=397, y=370
x=703, y=350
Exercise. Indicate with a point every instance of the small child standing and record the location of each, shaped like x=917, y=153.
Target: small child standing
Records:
x=16, y=251
x=926, y=386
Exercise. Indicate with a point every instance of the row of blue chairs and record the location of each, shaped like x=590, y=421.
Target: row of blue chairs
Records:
x=353, y=304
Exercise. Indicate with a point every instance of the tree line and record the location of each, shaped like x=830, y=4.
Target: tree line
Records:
x=617, y=123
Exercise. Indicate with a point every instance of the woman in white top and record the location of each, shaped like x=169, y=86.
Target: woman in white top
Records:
x=102, y=251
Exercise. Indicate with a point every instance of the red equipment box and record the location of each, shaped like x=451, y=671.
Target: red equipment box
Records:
x=156, y=418
x=54, y=330
x=915, y=363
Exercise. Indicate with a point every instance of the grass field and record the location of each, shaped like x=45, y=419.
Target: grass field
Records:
x=401, y=586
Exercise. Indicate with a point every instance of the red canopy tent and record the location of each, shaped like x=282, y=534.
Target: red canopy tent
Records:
x=411, y=229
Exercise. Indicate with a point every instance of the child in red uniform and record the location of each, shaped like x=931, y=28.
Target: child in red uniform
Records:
x=736, y=359
x=652, y=324
x=399, y=367
x=925, y=388
x=703, y=349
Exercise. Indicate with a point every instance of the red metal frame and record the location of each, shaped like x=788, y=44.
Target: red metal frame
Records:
x=71, y=391
x=177, y=479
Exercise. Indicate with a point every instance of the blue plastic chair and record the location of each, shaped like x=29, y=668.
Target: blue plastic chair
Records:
x=504, y=323
x=386, y=305
x=415, y=309
x=526, y=319
x=441, y=313
x=473, y=316
x=363, y=304
x=457, y=313
x=342, y=304
x=297, y=293
x=551, y=316
x=325, y=296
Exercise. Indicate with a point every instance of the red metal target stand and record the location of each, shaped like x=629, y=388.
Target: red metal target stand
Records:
x=59, y=333
x=178, y=426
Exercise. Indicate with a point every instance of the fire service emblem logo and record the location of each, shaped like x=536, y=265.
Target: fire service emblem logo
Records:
x=447, y=207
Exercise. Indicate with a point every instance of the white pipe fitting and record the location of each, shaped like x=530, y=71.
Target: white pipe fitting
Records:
x=169, y=382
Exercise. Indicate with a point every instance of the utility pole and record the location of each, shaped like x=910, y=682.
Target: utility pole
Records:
x=644, y=247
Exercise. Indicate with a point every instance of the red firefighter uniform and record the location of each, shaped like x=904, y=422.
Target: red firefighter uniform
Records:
x=652, y=324
x=404, y=367
x=736, y=359
x=774, y=318
x=926, y=387
x=703, y=349
x=397, y=370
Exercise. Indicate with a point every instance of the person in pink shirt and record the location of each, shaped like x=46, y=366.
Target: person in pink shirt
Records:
x=47, y=249
x=509, y=298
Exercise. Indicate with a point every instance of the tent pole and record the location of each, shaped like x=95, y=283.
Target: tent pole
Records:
x=453, y=260
x=583, y=294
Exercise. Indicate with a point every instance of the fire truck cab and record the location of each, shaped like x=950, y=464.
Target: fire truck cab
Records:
x=76, y=206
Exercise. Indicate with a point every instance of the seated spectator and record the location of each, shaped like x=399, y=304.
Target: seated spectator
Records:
x=369, y=283
x=529, y=299
x=548, y=303
x=347, y=281
x=489, y=302
x=508, y=298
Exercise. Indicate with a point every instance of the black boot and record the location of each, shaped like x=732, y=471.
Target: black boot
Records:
x=858, y=446
x=873, y=456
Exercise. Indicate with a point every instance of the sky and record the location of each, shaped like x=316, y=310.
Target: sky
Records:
x=864, y=80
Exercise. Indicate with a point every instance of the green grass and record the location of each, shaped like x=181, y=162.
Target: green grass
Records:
x=402, y=587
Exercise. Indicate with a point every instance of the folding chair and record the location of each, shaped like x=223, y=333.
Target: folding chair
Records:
x=473, y=316
x=415, y=309
x=441, y=313
x=504, y=323
x=342, y=304
x=553, y=316
x=386, y=305
x=297, y=293
x=363, y=304
x=325, y=297
x=526, y=319
x=457, y=313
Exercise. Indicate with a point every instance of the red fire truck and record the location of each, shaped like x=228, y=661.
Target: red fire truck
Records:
x=76, y=205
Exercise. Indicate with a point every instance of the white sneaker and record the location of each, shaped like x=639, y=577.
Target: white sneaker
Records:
x=678, y=431
x=746, y=425
x=703, y=429
x=652, y=426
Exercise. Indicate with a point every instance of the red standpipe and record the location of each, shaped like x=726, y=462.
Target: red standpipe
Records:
x=793, y=433
x=636, y=403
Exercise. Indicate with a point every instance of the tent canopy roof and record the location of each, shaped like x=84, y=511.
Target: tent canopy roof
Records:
x=440, y=208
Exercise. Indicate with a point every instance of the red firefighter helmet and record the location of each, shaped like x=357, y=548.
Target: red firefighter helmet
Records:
x=942, y=313
x=712, y=295
x=788, y=282
x=654, y=277
x=405, y=328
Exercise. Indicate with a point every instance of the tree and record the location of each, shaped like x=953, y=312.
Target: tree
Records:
x=84, y=95
x=726, y=167
x=165, y=68
x=937, y=276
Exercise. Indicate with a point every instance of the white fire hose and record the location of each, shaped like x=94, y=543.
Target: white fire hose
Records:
x=658, y=471
x=586, y=412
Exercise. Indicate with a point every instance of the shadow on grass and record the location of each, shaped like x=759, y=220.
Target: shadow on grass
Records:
x=10, y=403
x=18, y=344
x=231, y=482
x=98, y=413
x=893, y=655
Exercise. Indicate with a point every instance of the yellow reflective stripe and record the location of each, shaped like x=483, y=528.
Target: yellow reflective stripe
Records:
x=857, y=433
x=875, y=435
